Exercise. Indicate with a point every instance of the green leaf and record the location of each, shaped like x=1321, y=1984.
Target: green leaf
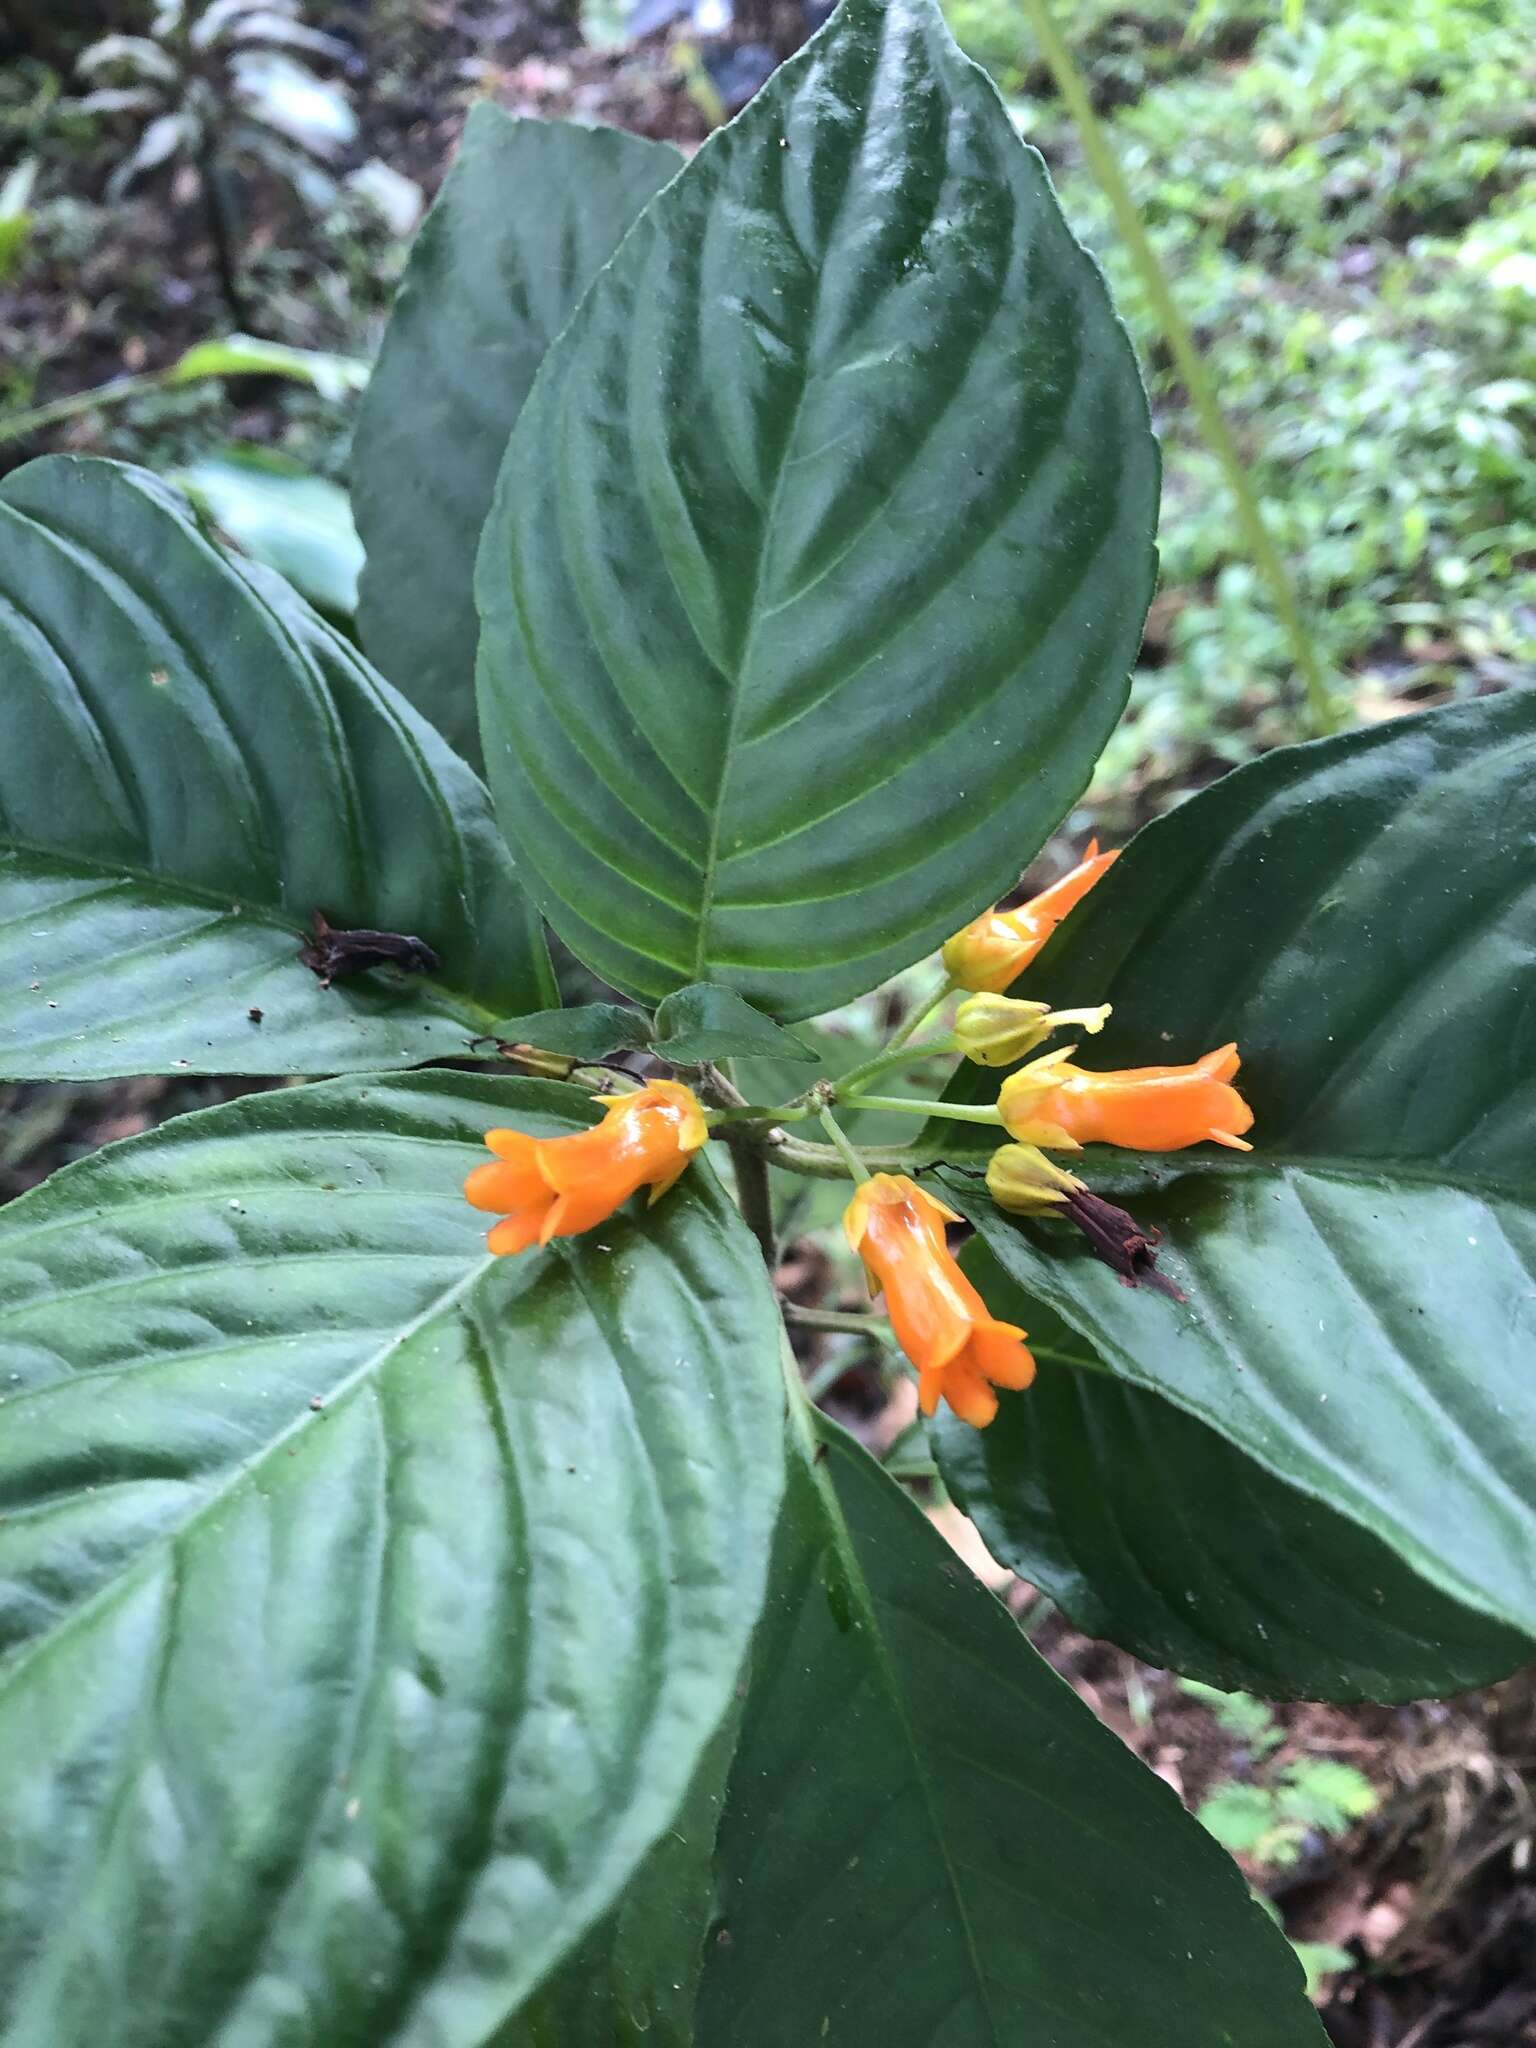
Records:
x=822, y=546
x=1320, y=1792
x=1150, y=1527
x=930, y=1842
x=244, y=355
x=191, y=763
x=277, y=511
x=707, y=1022
x=1239, y=1816
x=1321, y=1960
x=586, y=1032
x=1360, y=916
x=634, y=1981
x=16, y=216
x=1251, y=1721
x=528, y=214
x=366, y=1604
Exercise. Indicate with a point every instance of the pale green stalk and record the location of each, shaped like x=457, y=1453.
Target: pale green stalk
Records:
x=913, y=1105
x=845, y=1151
x=1325, y=711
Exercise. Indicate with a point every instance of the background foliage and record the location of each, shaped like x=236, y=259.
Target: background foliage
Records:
x=1345, y=206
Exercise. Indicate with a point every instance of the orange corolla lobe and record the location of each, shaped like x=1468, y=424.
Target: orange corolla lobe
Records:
x=1146, y=1109
x=543, y=1188
x=960, y=1349
x=996, y=947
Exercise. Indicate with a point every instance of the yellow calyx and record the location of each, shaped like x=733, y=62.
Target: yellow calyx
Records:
x=1022, y=1180
x=995, y=1030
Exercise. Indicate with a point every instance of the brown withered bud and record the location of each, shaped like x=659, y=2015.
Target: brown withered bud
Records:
x=1124, y=1245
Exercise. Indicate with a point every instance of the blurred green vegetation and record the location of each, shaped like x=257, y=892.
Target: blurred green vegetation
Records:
x=1344, y=197
x=1343, y=193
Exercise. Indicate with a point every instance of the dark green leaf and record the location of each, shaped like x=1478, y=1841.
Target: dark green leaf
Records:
x=634, y=1981
x=707, y=1022
x=366, y=1604
x=822, y=545
x=1360, y=915
x=586, y=1032
x=929, y=1842
x=191, y=764
x=528, y=214
x=1149, y=1527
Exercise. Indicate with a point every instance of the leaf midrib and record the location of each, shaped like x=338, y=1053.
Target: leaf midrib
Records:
x=858, y=1586
x=1368, y=1508
x=756, y=615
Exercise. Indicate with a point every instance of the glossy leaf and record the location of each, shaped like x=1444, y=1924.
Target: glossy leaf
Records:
x=1150, y=1528
x=707, y=1022
x=528, y=214
x=634, y=1981
x=930, y=1842
x=366, y=1604
x=1360, y=915
x=822, y=545
x=191, y=764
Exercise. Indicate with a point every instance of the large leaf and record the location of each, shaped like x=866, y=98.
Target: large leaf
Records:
x=822, y=546
x=1360, y=915
x=191, y=764
x=528, y=214
x=366, y=1604
x=929, y=1842
x=634, y=1981
x=1147, y=1526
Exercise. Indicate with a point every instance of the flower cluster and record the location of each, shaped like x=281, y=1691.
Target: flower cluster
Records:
x=961, y=1352
x=544, y=1188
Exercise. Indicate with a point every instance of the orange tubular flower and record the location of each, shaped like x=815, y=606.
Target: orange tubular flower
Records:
x=1146, y=1109
x=557, y=1187
x=997, y=946
x=941, y=1322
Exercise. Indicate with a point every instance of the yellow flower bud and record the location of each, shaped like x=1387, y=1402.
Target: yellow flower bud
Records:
x=995, y=948
x=994, y=1030
x=1022, y=1180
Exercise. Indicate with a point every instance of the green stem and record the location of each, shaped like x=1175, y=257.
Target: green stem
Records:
x=218, y=212
x=759, y=1113
x=919, y=1018
x=19, y=424
x=821, y=1162
x=893, y=1056
x=753, y=1195
x=1325, y=712
x=845, y=1151
x=837, y=1319
x=914, y=1105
